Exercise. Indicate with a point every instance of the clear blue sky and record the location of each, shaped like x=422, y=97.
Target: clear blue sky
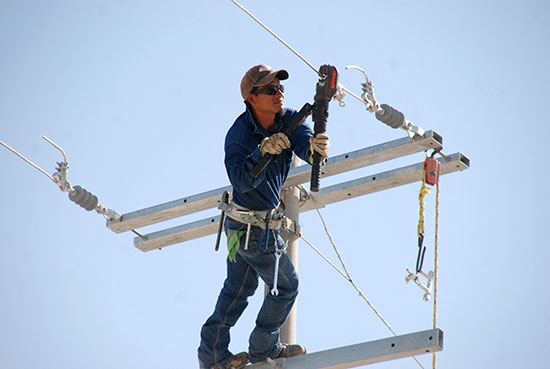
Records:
x=140, y=95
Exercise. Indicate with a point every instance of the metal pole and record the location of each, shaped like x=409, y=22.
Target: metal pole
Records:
x=291, y=199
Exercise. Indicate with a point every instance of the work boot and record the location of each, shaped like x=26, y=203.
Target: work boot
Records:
x=292, y=350
x=235, y=362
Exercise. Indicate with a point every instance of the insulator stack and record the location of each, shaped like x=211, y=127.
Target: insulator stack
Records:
x=392, y=117
x=83, y=198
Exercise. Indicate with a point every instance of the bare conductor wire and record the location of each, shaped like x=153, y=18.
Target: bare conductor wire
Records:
x=290, y=47
x=77, y=194
x=275, y=35
x=28, y=161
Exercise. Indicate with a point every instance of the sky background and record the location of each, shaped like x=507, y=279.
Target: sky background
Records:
x=140, y=95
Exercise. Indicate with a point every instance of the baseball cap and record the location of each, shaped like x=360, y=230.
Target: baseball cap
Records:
x=260, y=75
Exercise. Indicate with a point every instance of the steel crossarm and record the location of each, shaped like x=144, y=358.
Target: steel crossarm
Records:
x=336, y=165
x=366, y=353
x=327, y=195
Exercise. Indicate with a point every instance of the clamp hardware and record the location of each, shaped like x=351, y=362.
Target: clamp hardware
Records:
x=77, y=194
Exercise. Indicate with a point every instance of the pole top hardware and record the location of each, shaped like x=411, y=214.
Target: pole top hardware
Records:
x=60, y=176
x=77, y=194
x=385, y=113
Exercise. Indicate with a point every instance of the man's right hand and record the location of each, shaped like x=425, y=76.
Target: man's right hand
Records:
x=274, y=144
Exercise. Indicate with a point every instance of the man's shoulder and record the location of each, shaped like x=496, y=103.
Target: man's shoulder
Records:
x=241, y=122
x=287, y=116
x=240, y=129
x=290, y=112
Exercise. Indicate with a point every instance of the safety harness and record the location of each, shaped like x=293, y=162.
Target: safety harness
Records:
x=274, y=219
x=264, y=219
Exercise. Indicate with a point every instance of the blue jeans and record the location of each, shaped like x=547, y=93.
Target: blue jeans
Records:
x=241, y=283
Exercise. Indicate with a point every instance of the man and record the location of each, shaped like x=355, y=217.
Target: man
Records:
x=253, y=251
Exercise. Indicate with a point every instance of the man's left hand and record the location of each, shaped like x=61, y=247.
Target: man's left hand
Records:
x=321, y=144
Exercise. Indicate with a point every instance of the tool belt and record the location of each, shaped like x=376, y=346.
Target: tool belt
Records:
x=258, y=218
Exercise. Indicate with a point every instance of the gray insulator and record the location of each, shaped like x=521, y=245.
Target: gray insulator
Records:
x=392, y=117
x=83, y=198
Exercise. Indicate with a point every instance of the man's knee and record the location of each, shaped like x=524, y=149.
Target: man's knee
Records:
x=292, y=285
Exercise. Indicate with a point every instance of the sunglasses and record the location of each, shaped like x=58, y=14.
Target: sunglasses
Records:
x=269, y=90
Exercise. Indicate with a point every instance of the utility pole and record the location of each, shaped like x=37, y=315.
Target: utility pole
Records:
x=291, y=199
x=392, y=348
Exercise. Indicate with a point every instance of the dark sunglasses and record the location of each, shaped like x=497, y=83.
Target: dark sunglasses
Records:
x=269, y=90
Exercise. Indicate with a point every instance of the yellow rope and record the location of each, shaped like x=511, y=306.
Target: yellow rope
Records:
x=423, y=192
x=435, y=261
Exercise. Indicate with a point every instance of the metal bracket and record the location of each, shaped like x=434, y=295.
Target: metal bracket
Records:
x=427, y=288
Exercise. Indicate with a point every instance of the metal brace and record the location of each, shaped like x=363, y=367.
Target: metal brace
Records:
x=291, y=226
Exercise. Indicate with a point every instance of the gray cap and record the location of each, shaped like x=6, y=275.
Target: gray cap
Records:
x=258, y=76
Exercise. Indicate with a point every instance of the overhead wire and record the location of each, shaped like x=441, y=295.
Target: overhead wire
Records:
x=28, y=161
x=290, y=47
x=275, y=35
x=81, y=194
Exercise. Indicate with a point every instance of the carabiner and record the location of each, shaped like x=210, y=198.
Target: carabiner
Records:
x=421, y=252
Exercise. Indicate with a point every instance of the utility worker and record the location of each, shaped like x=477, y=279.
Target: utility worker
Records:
x=256, y=132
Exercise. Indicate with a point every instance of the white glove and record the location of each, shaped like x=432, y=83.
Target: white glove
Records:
x=321, y=144
x=274, y=144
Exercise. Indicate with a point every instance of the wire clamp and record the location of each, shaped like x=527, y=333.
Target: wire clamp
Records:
x=385, y=113
x=77, y=194
x=339, y=95
x=367, y=97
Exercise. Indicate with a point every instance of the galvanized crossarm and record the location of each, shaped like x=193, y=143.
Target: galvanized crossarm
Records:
x=327, y=195
x=336, y=165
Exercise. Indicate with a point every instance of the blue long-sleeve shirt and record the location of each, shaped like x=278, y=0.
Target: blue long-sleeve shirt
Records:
x=242, y=153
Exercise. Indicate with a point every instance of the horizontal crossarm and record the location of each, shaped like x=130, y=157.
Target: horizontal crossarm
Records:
x=382, y=181
x=386, y=349
x=336, y=165
x=327, y=195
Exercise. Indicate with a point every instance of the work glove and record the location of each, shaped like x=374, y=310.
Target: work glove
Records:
x=274, y=144
x=321, y=144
